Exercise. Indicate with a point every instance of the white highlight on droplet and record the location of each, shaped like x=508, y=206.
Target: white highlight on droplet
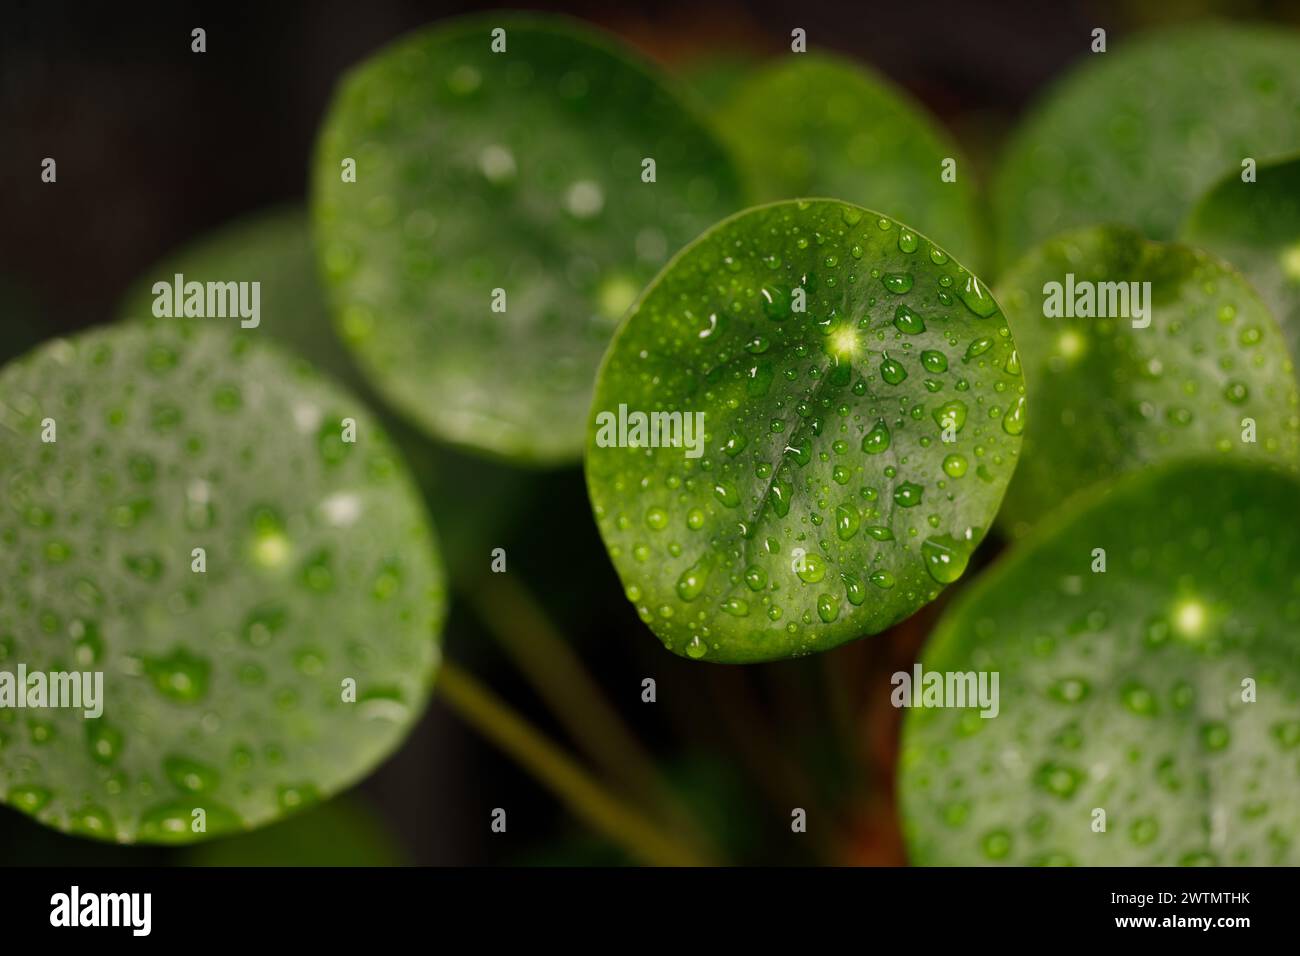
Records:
x=341, y=509
x=306, y=417
x=497, y=163
x=584, y=199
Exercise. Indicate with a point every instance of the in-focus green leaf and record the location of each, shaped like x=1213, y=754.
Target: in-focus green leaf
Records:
x=1164, y=692
x=1134, y=135
x=815, y=125
x=1256, y=227
x=520, y=171
x=822, y=502
x=1108, y=397
x=223, y=682
x=470, y=498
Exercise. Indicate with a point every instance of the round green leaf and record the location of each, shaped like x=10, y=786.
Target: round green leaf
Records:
x=814, y=125
x=822, y=502
x=1256, y=226
x=471, y=499
x=1137, y=133
x=1164, y=691
x=519, y=171
x=272, y=247
x=1109, y=397
x=223, y=688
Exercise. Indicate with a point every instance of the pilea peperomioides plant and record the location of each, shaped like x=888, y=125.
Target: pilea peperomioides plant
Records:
x=807, y=417
x=848, y=409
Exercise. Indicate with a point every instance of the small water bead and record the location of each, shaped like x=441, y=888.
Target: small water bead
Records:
x=938, y=256
x=91, y=821
x=934, y=361
x=190, y=775
x=907, y=241
x=1287, y=734
x=736, y=607
x=690, y=584
x=30, y=800
x=847, y=521
x=877, y=439
x=695, y=648
x=727, y=493
x=951, y=414
x=1139, y=699
x=735, y=444
x=897, y=282
x=148, y=567
x=977, y=298
x=1060, y=780
x=882, y=579
x=841, y=475
x=1069, y=690
x=780, y=494
x=907, y=321
x=1013, y=422
x=1236, y=392
x=103, y=741
x=695, y=519
x=892, y=371
x=1143, y=830
x=945, y=557
x=977, y=348
x=908, y=494
x=180, y=675
x=879, y=532
x=954, y=465
x=656, y=519
x=812, y=568
x=828, y=608
x=1215, y=735
x=776, y=302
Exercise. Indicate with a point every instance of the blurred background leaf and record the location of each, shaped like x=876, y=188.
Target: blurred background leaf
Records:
x=535, y=189
x=1107, y=398
x=1256, y=227
x=812, y=125
x=1135, y=134
x=1124, y=691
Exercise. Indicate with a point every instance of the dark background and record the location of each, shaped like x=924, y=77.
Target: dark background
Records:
x=157, y=146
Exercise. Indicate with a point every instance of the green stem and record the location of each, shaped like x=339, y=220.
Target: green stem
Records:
x=557, y=674
x=588, y=800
